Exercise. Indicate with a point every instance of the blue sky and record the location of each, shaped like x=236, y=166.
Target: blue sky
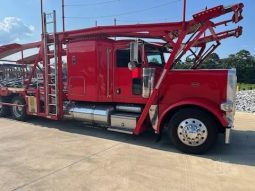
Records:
x=20, y=20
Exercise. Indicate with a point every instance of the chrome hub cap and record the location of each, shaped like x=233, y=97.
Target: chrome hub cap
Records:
x=1, y=106
x=192, y=132
x=17, y=110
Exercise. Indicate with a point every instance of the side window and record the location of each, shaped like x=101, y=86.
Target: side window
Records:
x=155, y=58
x=122, y=58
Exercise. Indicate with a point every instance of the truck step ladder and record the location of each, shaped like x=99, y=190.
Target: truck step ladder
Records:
x=50, y=64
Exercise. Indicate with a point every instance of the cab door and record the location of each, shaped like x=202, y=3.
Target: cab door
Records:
x=105, y=72
x=127, y=87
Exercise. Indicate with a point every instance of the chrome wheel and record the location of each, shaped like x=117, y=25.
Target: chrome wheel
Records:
x=1, y=106
x=192, y=132
x=17, y=111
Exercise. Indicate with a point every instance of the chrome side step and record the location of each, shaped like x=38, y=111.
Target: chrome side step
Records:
x=227, y=135
x=120, y=130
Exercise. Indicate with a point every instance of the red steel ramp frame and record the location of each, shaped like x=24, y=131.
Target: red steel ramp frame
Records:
x=174, y=34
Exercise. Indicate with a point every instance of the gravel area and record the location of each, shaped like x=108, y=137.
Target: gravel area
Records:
x=245, y=101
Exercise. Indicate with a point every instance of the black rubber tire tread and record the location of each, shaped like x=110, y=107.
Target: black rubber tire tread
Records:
x=5, y=111
x=195, y=113
x=23, y=116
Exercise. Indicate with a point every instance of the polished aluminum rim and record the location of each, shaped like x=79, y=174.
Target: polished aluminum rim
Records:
x=1, y=106
x=192, y=132
x=17, y=110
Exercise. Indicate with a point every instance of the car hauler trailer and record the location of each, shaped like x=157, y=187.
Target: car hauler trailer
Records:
x=129, y=84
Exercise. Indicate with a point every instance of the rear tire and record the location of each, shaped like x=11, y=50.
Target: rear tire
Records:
x=4, y=110
x=19, y=113
x=192, y=130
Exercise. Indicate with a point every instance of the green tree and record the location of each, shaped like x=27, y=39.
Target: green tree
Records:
x=244, y=62
x=212, y=62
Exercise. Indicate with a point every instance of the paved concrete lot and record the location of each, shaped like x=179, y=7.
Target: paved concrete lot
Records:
x=46, y=155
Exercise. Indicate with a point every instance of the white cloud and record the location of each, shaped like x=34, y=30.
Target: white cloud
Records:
x=13, y=29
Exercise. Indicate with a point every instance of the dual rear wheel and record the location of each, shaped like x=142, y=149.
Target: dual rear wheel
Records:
x=17, y=112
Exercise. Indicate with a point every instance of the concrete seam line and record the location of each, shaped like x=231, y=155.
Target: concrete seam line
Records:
x=60, y=169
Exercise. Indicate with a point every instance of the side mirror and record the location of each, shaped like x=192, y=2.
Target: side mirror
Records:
x=134, y=51
x=132, y=65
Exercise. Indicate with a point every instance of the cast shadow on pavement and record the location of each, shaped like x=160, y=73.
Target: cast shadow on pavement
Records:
x=240, y=151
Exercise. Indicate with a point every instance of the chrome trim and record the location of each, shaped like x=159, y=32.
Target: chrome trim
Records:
x=120, y=131
x=82, y=113
x=11, y=104
x=124, y=121
x=148, y=81
x=129, y=108
x=102, y=115
x=17, y=111
x=227, y=135
x=93, y=114
x=227, y=106
x=108, y=72
x=231, y=95
x=153, y=113
x=134, y=51
x=231, y=86
x=192, y=132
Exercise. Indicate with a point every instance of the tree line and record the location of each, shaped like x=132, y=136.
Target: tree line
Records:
x=243, y=61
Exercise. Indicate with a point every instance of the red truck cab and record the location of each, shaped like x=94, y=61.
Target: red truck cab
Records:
x=99, y=71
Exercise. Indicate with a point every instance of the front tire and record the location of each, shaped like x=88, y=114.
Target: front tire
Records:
x=19, y=113
x=192, y=130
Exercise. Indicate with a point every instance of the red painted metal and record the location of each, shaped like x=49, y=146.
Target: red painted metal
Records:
x=154, y=94
x=202, y=88
x=83, y=70
x=11, y=104
x=93, y=75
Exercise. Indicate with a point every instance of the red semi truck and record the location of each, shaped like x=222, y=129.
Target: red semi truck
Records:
x=119, y=78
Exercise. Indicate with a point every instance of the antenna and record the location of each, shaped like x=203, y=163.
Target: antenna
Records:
x=63, y=15
x=42, y=13
x=184, y=12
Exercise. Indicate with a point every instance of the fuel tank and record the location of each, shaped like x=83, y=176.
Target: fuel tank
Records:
x=89, y=113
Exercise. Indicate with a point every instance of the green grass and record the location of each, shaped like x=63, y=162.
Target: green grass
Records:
x=243, y=86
